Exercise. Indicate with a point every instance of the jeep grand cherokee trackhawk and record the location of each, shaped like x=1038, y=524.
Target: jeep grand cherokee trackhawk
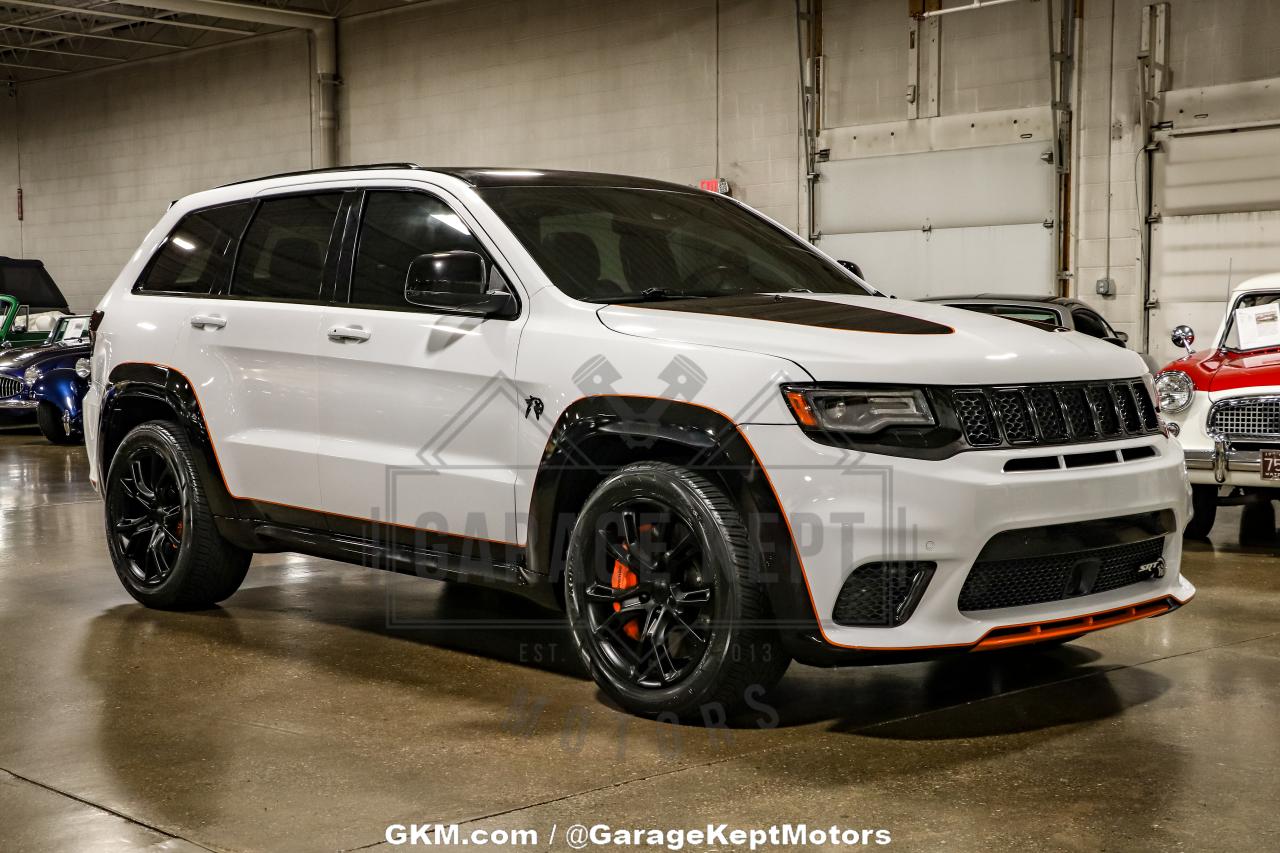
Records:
x=642, y=403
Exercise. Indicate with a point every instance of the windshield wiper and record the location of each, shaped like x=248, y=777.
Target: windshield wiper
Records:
x=653, y=294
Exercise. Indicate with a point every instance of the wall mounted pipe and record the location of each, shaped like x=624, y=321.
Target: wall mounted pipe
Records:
x=324, y=58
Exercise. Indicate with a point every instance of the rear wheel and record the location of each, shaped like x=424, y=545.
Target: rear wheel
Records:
x=660, y=600
x=49, y=419
x=161, y=534
x=1258, y=523
x=1204, y=508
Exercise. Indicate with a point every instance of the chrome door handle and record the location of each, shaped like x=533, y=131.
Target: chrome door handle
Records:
x=206, y=321
x=339, y=334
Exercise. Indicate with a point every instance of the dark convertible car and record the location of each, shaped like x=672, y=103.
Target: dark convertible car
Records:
x=48, y=381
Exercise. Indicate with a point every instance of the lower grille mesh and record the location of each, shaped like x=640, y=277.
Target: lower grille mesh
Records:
x=1036, y=580
x=882, y=594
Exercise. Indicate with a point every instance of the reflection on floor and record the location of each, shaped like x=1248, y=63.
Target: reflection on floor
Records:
x=324, y=702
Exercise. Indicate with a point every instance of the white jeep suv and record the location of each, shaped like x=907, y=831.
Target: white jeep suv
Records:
x=642, y=403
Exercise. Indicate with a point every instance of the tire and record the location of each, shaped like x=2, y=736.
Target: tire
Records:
x=1258, y=523
x=166, y=548
x=49, y=419
x=663, y=549
x=1204, y=506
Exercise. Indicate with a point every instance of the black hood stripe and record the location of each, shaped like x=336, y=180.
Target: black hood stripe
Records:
x=803, y=312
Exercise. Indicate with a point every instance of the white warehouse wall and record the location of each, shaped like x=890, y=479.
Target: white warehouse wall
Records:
x=103, y=154
x=10, y=236
x=673, y=89
x=668, y=89
x=676, y=89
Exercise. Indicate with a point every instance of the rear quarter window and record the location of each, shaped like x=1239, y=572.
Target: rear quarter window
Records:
x=196, y=256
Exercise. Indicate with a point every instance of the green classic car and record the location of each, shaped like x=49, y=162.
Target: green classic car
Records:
x=30, y=302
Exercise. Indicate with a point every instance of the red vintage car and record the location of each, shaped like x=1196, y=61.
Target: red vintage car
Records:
x=1223, y=403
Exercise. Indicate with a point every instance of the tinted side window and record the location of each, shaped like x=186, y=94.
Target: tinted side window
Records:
x=194, y=258
x=1090, y=324
x=396, y=228
x=282, y=254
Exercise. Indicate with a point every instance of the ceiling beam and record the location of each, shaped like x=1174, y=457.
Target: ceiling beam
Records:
x=4, y=64
x=88, y=35
x=98, y=56
x=120, y=16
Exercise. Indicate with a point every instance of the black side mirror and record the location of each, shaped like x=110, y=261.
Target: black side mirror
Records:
x=1122, y=337
x=1184, y=337
x=456, y=282
x=1117, y=340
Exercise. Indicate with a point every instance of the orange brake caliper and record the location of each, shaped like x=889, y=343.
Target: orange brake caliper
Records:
x=624, y=578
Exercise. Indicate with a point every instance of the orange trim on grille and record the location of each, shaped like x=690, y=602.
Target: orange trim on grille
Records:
x=1036, y=632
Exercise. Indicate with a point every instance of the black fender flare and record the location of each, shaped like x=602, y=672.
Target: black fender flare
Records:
x=596, y=435
x=159, y=387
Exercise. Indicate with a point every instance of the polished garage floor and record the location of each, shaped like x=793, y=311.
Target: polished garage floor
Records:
x=320, y=704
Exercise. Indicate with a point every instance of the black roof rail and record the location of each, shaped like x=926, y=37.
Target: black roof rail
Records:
x=301, y=172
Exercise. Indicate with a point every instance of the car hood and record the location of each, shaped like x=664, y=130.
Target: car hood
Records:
x=18, y=360
x=1224, y=370
x=872, y=339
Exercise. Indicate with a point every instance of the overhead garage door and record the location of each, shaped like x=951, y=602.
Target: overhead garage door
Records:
x=1217, y=196
x=936, y=223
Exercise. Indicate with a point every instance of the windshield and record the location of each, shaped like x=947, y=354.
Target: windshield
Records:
x=69, y=329
x=610, y=244
x=1262, y=331
x=1013, y=312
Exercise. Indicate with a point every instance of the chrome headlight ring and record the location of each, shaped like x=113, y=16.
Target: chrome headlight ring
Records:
x=1175, y=390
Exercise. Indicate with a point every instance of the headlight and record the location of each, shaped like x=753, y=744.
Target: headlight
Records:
x=82, y=368
x=858, y=410
x=31, y=375
x=1176, y=391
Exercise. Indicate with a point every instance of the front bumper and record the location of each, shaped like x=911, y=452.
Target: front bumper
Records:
x=18, y=404
x=849, y=509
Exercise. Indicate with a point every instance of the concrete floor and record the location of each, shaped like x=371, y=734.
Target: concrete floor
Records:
x=321, y=704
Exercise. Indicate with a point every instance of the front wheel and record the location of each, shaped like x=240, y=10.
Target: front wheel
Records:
x=660, y=599
x=160, y=531
x=1204, y=510
x=49, y=419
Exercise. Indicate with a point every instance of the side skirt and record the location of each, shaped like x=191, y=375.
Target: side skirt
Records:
x=271, y=537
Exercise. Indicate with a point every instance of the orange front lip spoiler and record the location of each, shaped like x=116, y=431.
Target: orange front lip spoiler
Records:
x=1037, y=632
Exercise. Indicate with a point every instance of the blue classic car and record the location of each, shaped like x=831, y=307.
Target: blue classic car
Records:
x=49, y=381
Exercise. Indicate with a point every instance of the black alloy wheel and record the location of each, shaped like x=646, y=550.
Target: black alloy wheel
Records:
x=650, y=604
x=661, y=599
x=149, y=516
x=162, y=535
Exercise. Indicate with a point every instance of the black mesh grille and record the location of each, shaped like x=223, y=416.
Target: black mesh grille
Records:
x=1145, y=407
x=1079, y=414
x=1054, y=413
x=1105, y=410
x=974, y=414
x=1014, y=416
x=1127, y=407
x=1035, y=580
x=881, y=593
x=1048, y=412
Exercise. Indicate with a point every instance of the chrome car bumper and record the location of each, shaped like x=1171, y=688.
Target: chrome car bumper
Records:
x=18, y=404
x=1222, y=459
